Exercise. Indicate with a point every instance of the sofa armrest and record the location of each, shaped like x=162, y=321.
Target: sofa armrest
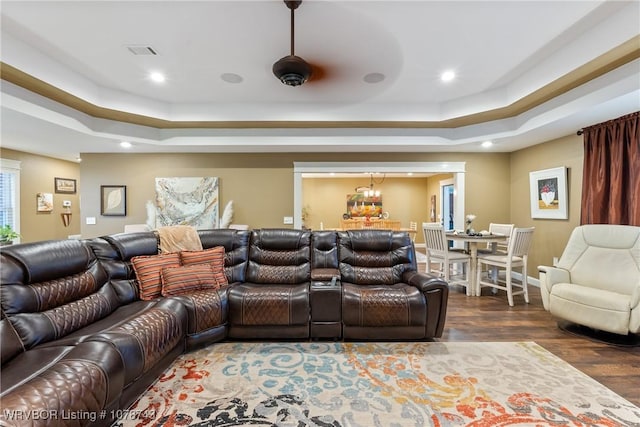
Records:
x=635, y=298
x=84, y=383
x=549, y=276
x=324, y=274
x=436, y=293
x=554, y=275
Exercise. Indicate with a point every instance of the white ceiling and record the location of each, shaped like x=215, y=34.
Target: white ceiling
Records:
x=501, y=51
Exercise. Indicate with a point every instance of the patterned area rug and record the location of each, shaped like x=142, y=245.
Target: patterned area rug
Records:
x=377, y=384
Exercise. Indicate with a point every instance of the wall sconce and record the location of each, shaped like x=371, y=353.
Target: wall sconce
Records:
x=66, y=215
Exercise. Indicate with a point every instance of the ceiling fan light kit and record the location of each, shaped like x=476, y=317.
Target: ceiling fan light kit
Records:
x=291, y=69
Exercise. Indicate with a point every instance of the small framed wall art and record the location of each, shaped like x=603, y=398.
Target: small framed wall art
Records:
x=44, y=202
x=548, y=189
x=113, y=200
x=65, y=185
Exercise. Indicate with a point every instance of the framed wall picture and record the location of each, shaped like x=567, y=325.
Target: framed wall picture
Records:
x=548, y=190
x=44, y=202
x=113, y=200
x=65, y=185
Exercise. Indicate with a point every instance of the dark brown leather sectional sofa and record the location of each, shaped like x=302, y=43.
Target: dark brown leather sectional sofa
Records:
x=78, y=345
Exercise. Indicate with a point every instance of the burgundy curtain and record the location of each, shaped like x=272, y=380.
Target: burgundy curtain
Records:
x=611, y=176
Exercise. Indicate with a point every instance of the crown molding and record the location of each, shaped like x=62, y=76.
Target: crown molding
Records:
x=617, y=57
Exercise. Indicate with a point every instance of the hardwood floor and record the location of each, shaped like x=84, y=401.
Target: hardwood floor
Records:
x=489, y=318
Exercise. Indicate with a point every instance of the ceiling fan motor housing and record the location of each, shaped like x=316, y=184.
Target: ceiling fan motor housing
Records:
x=292, y=70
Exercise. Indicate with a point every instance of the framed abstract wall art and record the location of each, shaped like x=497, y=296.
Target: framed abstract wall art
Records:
x=113, y=200
x=548, y=191
x=187, y=201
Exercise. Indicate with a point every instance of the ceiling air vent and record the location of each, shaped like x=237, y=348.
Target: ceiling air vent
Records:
x=142, y=50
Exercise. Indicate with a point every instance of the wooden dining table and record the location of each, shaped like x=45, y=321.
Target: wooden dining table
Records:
x=472, y=242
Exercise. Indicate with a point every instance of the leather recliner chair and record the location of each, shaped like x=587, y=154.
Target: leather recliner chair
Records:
x=596, y=282
x=383, y=295
x=273, y=302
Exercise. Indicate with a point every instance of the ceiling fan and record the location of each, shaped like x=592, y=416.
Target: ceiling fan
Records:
x=291, y=69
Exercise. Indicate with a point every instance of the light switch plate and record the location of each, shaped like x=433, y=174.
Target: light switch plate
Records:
x=288, y=220
x=91, y=220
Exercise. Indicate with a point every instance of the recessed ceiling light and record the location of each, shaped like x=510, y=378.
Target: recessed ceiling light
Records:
x=78, y=159
x=448, y=76
x=157, y=77
x=409, y=173
x=231, y=78
x=125, y=144
x=487, y=144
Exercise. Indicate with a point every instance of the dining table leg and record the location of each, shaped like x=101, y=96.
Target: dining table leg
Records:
x=473, y=282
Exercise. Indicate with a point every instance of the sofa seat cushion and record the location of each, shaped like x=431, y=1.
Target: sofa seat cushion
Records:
x=596, y=308
x=206, y=309
x=383, y=305
x=148, y=337
x=259, y=304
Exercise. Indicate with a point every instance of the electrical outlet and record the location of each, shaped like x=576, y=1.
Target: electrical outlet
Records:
x=66, y=203
x=288, y=220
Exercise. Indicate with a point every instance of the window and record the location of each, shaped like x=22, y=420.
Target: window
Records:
x=10, y=193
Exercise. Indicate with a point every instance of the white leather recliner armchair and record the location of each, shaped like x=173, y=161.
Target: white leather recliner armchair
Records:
x=597, y=280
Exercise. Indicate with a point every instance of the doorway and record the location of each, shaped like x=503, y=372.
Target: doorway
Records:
x=457, y=169
x=448, y=206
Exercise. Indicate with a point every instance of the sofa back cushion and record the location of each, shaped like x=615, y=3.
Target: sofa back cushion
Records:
x=324, y=249
x=236, y=250
x=115, y=252
x=375, y=257
x=10, y=345
x=50, y=289
x=279, y=256
x=600, y=255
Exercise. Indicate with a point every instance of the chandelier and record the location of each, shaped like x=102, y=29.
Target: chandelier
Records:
x=370, y=191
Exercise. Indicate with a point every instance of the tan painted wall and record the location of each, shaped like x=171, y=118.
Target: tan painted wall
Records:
x=261, y=185
x=37, y=176
x=551, y=235
x=261, y=188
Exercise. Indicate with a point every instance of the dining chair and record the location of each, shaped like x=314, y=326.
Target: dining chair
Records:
x=438, y=253
x=413, y=227
x=516, y=257
x=498, y=247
